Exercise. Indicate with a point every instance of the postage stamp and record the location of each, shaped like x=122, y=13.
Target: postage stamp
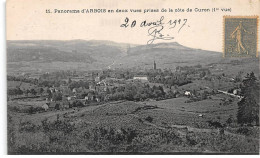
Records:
x=240, y=36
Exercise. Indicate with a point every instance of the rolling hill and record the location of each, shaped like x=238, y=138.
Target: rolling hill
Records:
x=168, y=55
x=47, y=55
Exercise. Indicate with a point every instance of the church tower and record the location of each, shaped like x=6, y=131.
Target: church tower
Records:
x=154, y=65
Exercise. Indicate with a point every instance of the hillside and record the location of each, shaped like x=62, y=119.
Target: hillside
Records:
x=40, y=56
x=168, y=55
x=67, y=51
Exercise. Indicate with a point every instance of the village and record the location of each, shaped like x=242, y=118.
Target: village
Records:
x=64, y=90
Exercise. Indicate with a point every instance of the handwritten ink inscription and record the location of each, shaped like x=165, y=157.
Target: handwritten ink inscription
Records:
x=156, y=29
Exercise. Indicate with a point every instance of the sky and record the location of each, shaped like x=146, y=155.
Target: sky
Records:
x=28, y=20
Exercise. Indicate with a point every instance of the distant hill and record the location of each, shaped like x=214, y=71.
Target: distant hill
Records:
x=168, y=55
x=51, y=55
x=66, y=51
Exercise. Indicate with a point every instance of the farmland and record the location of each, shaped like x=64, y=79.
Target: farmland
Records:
x=165, y=116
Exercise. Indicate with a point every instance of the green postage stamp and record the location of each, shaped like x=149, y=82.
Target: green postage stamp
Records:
x=240, y=36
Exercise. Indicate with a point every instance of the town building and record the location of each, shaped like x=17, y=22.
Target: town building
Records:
x=142, y=78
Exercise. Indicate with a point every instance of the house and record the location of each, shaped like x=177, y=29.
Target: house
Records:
x=89, y=77
x=158, y=77
x=71, y=98
x=90, y=96
x=65, y=90
x=52, y=89
x=187, y=93
x=45, y=106
x=167, y=77
x=98, y=99
x=54, y=105
x=201, y=115
x=142, y=78
x=65, y=105
x=97, y=79
x=107, y=97
x=92, y=87
x=129, y=80
x=77, y=78
x=74, y=90
x=236, y=91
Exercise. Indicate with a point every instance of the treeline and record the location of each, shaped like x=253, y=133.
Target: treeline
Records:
x=178, y=80
x=18, y=91
x=22, y=79
x=248, y=106
x=74, y=84
x=14, y=91
x=138, y=92
x=58, y=75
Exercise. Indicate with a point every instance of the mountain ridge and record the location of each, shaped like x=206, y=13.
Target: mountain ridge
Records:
x=100, y=54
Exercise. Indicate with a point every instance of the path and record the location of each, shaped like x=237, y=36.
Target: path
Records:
x=225, y=92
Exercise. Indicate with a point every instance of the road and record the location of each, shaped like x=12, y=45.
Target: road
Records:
x=225, y=92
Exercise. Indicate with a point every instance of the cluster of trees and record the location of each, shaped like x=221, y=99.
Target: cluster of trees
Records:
x=58, y=75
x=120, y=74
x=196, y=96
x=238, y=77
x=173, y=80
x=49, y=83
x=167, y=77
x=56, y=96
x=14, y=91
x=182, y=77
x=74, y=84
x=248, y=107
x=18, y=91
x=55, y=78
x=22, y=79
x=137, y=92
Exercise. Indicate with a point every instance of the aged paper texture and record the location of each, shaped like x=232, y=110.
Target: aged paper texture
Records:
x=132, y=76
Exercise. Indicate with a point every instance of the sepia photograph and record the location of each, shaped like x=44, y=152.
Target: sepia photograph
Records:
x=132, y=77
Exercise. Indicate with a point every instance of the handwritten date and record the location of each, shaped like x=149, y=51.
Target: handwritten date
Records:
x=159, y=29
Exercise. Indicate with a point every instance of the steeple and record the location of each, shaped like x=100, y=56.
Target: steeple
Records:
x=154, y=65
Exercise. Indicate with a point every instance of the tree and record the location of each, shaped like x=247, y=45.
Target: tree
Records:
x=202, y=74
x=57, y=96
x=230, y=120
x=238, y=77
x=248, y=107
x=33, y=92
x=77, y=103
x=27, y=92
x=49, y=93
x=69, y=80
x=41, y=91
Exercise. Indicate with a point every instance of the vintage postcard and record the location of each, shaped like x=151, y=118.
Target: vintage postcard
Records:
x=132, y=77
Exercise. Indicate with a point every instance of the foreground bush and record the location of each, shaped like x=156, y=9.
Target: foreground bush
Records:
x=64, y=136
